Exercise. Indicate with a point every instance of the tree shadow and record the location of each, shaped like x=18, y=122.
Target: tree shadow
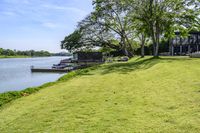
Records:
x=126, y=67
x=138, y=64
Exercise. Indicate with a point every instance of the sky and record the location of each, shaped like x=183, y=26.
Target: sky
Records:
x=39, y=24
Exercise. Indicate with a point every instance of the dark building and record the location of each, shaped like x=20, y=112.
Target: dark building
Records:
x=184, y=46
x=88, y=57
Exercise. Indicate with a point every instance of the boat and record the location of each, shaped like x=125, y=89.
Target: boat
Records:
x=66, y=61
x=60, y=66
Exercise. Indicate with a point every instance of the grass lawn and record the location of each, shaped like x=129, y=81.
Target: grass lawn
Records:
x=143, y=95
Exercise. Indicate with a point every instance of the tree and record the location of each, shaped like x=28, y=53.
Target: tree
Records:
x=72, y=42
x=141, y=33
x=1, y=51
x=96, y=34
x=163, y=17
x=89, y=34
x=111, y=15
x=116, y=24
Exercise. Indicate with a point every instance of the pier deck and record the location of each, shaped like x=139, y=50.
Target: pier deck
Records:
x=50, y=70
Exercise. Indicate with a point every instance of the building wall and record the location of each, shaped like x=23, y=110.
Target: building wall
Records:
x=187, y=45
x=88, y=56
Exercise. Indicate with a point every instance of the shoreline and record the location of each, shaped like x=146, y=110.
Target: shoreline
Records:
x=9, y=96
x=15, y=57
x=7, y=57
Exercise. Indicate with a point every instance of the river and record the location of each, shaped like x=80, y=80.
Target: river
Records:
x=15, y=73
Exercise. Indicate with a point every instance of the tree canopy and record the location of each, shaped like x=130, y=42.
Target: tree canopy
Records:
x=118, y=24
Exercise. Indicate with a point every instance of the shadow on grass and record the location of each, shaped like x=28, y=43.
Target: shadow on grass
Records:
x=138, y=64
x=126, y=67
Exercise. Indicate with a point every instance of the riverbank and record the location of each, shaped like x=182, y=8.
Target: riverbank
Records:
x=142, y=95
x=18, y=56
x=13, y=95
x=15, y=73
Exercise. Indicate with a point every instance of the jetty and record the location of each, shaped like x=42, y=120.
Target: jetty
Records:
x=80, y=60
x=55, y=70
x=50, y=70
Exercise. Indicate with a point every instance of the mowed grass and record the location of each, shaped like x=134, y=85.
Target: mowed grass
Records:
x=143, y=95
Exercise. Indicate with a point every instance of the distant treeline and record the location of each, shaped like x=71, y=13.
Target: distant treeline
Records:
x=62, y=54
x=8, y=52
x=32, y=53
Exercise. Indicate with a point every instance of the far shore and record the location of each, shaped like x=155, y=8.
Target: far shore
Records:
x=18, y=56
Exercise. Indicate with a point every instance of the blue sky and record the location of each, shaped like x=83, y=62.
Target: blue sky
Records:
x=39, y=24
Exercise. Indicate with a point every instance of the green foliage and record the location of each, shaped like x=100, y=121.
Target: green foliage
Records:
x=72, y=42
x=128, y=21
x=106, y=26
x=162, y=18
x=8, y=52
x=1, y=51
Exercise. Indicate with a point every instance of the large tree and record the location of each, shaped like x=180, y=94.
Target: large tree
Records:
x=107, y=26
x=117, y=23
x=112, y=15
x=95, y=34
x=89, y=34
x=163, y=17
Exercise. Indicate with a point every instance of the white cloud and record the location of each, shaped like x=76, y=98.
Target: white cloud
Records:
x=8, y=13
x=67, y=8
x=47, y=20
x=50, y=25
x=18, y=1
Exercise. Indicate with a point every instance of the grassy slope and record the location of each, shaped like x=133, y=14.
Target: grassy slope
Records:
x=143, y=95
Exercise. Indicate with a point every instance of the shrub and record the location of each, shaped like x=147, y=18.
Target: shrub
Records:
x=195, y=55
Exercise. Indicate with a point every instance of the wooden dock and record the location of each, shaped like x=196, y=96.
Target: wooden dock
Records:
x=50, y=70
x=65, y=70
x=54, y=70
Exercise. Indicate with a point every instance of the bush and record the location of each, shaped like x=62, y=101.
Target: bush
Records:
x=195, y=55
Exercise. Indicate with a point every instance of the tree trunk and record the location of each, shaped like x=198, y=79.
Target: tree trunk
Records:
x=157, y=41
x=142, y=46
x=156, y=54
x=155, y=48
x=124, y=46
x=131, y=52
x=172, y=49
x=125, y=51
x=153, y=39
x=142, y=51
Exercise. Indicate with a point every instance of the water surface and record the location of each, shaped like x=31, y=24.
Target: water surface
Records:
x=15, y=74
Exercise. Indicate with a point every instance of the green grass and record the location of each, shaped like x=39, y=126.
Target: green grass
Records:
x=143, y=95
x=17, y=56
x=13, y=95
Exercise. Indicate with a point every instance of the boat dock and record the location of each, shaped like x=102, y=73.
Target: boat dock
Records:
x=50, y=70
x=79, y=61
x=54, y=70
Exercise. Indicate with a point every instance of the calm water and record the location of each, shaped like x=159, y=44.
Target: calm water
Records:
x=15, y=74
